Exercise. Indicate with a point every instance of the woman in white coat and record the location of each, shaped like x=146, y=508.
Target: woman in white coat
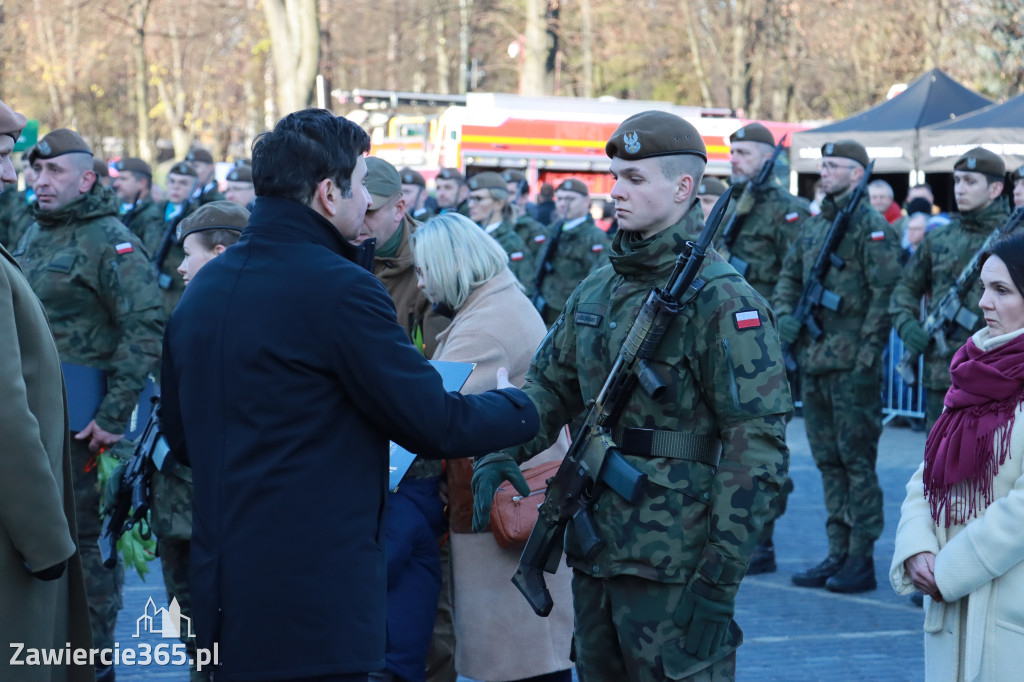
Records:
x=960, y=539
x=464, y=272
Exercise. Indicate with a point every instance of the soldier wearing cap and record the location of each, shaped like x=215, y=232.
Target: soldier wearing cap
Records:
x=977, y=185
x=100, y=294
x=206, y=188
x=102, y=170
x=452, y=191
x=240, y=189
x=133, y=185
x=529, y=230
x=1017, y=178
x=708, y=191
x=163, y=240
x=656, y=603
x=573, y=248
x=489, y=208
x=841, y=371
x=414, y=193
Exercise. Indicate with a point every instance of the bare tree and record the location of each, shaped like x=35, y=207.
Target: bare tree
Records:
x=294, y=27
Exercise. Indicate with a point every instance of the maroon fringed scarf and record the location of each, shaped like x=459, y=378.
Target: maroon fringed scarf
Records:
x=971, y=439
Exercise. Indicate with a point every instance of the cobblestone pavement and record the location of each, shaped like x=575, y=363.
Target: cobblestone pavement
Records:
x=791, y=634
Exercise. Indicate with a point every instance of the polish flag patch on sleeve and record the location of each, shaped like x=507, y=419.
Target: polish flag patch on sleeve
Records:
x=877, y=235
x=792, y=217
x=748, y=319
x=540, y=239
x=123, y=248
x=515, y=256
x=597, y=248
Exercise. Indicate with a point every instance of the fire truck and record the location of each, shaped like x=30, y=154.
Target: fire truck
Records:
x=549, y=138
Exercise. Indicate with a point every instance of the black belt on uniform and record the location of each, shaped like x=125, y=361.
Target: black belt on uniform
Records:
x=682, y=445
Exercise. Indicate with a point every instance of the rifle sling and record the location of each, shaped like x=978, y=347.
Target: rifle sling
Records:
x=682, y=445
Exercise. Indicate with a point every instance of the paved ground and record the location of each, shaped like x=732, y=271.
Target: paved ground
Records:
x=791, y=634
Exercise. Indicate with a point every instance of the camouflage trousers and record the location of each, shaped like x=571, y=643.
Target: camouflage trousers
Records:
x=174, y=561
x=776, y=508
x=625, y=632
x=441, y=657
x=843, y=417
x=102, y=585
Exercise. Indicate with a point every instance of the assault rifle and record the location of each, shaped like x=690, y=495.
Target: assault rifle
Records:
x=950, y=312
x=815, y=295
x=546, y=267
x=743, y=208
x=593, y=461
x=131, y=504
x=163, y=279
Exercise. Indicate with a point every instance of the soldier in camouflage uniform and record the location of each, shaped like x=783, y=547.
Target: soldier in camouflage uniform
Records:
x=708, y=191
x=16, y=207
x=529, y=230
x=452, y=192
x=240, y=189
x=1017, y=178
x=489, y=208
x=414, y=193
x=939, y=260
x=133, y=184
x=182, y=179
x=578, y=250
x=841, y=372
x=656, y=603
x=771, y=218
x=100, y=294
x=206, y=189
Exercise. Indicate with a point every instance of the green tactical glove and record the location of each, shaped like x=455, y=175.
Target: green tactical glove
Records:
x=789, y=329
x=915, y=338
x=489, y=472
x=705, y=620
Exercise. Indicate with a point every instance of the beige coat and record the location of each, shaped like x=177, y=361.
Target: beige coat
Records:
x=977, y=633
x=37, y=517
x=498, y=636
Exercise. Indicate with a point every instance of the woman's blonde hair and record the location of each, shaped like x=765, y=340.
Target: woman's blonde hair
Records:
x=454, y=257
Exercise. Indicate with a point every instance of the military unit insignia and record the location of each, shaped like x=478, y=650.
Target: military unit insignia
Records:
x=829, y=148
x=631, y=141
x=747, y=319
x=741, y=133
x=44, y=147
x=972, y=163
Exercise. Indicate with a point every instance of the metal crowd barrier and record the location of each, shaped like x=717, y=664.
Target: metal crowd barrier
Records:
x=898, y=399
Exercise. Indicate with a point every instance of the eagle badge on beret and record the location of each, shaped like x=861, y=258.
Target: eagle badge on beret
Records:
x=631, y=141
x=830, y=148
x=44, y=147
x=741, y=133
x=972, y=163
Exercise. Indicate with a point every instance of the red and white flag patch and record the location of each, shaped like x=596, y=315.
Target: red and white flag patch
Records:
x=124, y=247
x=748, y=319
x=792, y=217
x=540, y=239
x=597, y=248
x=877, y=236
x=515, y=256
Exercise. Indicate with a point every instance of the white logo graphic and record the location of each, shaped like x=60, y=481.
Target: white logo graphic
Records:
x=165, y=622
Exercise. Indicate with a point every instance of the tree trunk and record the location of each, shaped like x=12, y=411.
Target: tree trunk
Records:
x=145, y=146
x=294, y=27
x=587, y=48
x=531, y=78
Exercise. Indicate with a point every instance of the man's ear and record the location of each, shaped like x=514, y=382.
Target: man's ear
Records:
x=400, y=208
x=994, y=190
x=684, y=189
x=219, y=249
x=87, y=180
x=325, y=197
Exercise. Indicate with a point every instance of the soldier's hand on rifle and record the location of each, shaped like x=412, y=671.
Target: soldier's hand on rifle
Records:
x=789, y=329
x=489, y=472
x=914, y=337
x=705, y=619
x=98, y=438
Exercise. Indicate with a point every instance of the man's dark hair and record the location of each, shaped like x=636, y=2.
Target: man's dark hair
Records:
x=304, y=148
x=141, y=177
x=1011, y=252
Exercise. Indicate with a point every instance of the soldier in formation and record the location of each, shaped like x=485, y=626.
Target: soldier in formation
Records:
x=489, y=208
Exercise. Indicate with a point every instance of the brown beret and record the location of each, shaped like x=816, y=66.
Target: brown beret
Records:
x=753, y=132
x=100, y=168
x=513, y=175
x=655, y=133
x=241, y=173
x=216, y=215
x=11, y=122
x=711, y=186
x=134, y=165
x=182, y=168
x=59, y=142
x=488, y=180
x=573, y=185
x=200, y=155
x=847, y=149
x=981, y=160
x=411, y=177
x=451, y=174
x=382, y=181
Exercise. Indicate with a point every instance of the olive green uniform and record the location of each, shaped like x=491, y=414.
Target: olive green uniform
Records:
x=15, y=217
x=533, y=234
x=696, y=524
x=144, y=219
x=520, y=260
x=841, y=373
x=100, y=295
x=579, y=251
x=933, y=268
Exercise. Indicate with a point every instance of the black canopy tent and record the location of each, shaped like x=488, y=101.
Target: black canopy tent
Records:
x=889, y=130
x=999, y=128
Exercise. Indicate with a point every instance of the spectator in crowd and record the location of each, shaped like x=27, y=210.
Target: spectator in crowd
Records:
x=468, y=273
x=881, y=197
x=959, y=539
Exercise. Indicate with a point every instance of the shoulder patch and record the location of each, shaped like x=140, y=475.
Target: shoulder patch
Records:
x=877, y=235
x=123, y=248
x=515, y=256
x=748, y=318
x=793, y=217
x=588, y=319
x=540, y=239
x=597, y=248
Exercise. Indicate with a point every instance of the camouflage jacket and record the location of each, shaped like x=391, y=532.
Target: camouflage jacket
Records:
x=933, y=269
x=154, y=234
x=855, y=335
x=532, y=233
x=520, y=259
x=767, y=232
x=580, y=251
x=100, y=294
x=15, y=217
x=725, y=380
x=145, y=220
